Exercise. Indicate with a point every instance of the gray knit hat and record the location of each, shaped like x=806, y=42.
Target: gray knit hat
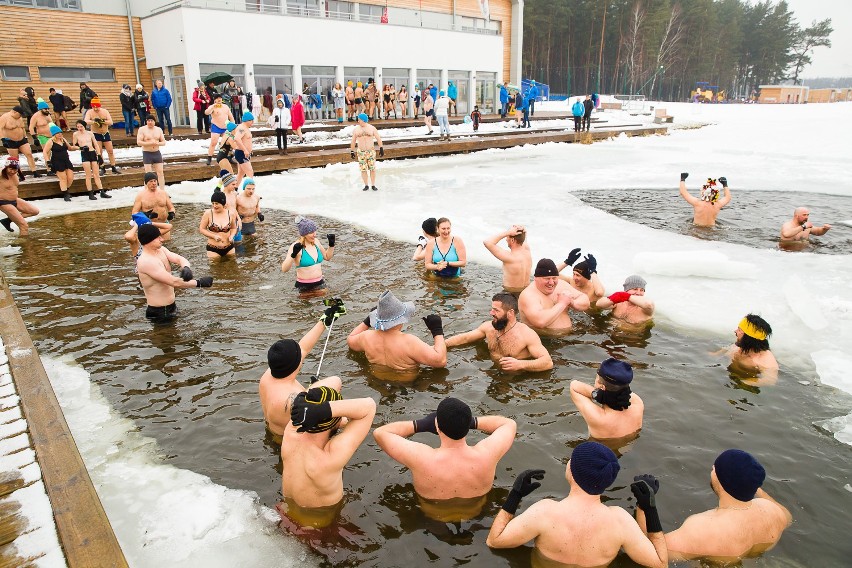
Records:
x=634, y=281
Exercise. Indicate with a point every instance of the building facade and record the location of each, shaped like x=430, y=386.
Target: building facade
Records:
x=285, y=45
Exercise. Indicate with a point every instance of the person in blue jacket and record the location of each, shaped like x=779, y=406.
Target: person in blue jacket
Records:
x=504, y=99
x=453, y=94
x=532, y=96
x=433, y=90
x=577, y=111
x=161, y=100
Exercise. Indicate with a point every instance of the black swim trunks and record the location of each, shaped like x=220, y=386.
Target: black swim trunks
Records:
x=103, y=137
x=149, y=158
x=241, y=157
x=248, y=228
x=221, y=251
x=88, y=156
x=223, y=154
x=14, y=144
x=13, y=202
x=161, y=314
x=310, y=286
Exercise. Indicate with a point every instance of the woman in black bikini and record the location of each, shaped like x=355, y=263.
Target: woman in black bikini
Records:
x=217, y=224
x=90, y=149
x=56, y=154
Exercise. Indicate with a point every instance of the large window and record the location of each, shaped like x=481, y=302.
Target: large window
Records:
x=238, y=72
x=370, y=12
x=395, y=77
x=279, y=78
x=339, y=10
x=429, y=76
x=57, y=4
x=92, y=74
x=303, y=8
x=15, y=73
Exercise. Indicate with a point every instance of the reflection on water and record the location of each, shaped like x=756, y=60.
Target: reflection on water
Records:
x=192, y=386
x=752, y=218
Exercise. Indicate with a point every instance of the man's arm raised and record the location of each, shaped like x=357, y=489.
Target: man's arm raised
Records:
x=491, y=244
x=360, y=412
x=509, y=531
x=435, y=356
x=501, y=434
x=691, y=199
x=393, y=439
x=581, y=396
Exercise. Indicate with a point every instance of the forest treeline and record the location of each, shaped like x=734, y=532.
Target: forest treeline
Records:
x=661, y=48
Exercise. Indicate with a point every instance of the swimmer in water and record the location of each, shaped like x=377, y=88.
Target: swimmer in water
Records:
x=708, y=207
x=517, y=261
x=15, y=208
x=609, y=407
x=750, y=352
x=248, y=207
x=307, y=254
x=512, y=344
x=381, y=339
x=630, y=306
x=746, y=523
x=799, y=228
x=454, y=469
x=158, y=283
x=154, y=201
x=545, y=302
x=584, y=276
x=279, y=384
x=219, y=225
x=580, y=530
x=136, y=221
x=312, y=458
x=430, y=232
x=446, y=255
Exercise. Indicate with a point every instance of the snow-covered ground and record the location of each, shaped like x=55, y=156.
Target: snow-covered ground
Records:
x=701, y=288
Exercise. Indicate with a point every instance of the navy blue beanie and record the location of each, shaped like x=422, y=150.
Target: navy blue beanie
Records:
x=616, y=372
x=739, y=474
x=593, y=467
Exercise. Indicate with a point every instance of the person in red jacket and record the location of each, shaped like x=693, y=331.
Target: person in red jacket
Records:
x=202, y=101
x=297, y=117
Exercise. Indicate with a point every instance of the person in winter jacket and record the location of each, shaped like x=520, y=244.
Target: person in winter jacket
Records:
x=140, y=102
x=161, y=100
x=453, y=94
x=127, y=108
x=280, y=121
x=297, y=118
x=86, y=96
x=504, y=99
x=578, y=110
x=532, y=96
x=201, y=100
x=58, y=102
x=520, y=104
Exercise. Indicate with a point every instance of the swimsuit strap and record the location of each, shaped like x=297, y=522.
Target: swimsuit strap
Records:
x=444, y=255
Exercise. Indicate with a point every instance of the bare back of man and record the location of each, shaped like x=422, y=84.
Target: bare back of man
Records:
x=517, y=260
x=705, y=210
x=396, y=350
x=276, y=397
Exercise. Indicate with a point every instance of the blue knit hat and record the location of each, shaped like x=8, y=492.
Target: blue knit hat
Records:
x=54, y=130
x=247, y=116
x=616, y=372
x=593, y=467
x=739, y=474
x=363, y=117
x=230, y=127
x=42, y=105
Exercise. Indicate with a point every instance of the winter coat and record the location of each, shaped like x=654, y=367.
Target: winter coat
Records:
x=283, y=116
x=442, y=106
x=297, y=114
x=588, y=107
x=532, y=94
x=29, y=105
x=161, y=98
x=140, y=101
x=453, y=91
x=127, y=103
x=520, y=102
x=58, y=102
x=578, y=109
x=201, y=102
x=434, y=92
x=504, y=95
x=86, y=96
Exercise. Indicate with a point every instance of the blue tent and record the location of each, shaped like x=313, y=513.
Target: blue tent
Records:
x=543, y=89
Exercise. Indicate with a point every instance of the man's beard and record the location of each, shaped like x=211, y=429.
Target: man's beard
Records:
x=739, y=342
x=500, y=324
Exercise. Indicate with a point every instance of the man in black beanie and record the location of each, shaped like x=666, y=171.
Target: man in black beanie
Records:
x=454, y=469
x=745, y=523
x=580, y=530
x=610, y=409
x=279, y=384
x=544, y=304
x=158, y=283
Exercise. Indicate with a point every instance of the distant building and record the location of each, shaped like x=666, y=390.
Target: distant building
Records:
x=829, y=95
x=783, y=94
x=278, y=44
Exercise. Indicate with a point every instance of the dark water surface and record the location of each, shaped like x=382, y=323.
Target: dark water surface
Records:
x=192, y=386
x=752, y=218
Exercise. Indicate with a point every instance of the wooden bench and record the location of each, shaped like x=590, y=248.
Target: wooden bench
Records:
x=661, y=116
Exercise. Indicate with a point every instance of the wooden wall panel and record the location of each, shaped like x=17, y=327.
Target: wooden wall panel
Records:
x=56, y=38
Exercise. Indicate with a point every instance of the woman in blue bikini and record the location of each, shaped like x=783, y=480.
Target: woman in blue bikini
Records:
x=446, y=255
x=307, y=254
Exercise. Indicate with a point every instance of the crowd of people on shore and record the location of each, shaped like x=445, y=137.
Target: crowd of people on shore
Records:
x=319, y=431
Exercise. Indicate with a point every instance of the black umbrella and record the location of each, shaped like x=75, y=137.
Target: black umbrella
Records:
x=218, y=77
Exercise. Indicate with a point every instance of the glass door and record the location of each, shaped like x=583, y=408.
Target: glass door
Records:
x=462, y=81
x=179, y=104
x=486, y=91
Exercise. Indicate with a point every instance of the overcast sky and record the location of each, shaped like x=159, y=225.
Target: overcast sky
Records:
x=835, y=61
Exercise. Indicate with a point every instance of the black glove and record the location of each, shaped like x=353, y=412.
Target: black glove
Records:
x=170, y=216
x=426, y=424
x=186, y=274
x=619, y=400
x=523, y=486
x=382, y=151
x=646, y=501
x=592, y=262
x=724, y=181
x=331, y=239
x=474, y=423
x=352, y=154
x=296, y=248
x=307, y=415
x=433, y=322
x=84, y=148
x=331, y=313
x=648, y=478
x=204, y=282
x=261, y=217
x=150, y=214
x=599, y=396
x=683, y=176
x=573, y=256
x=276, y=119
